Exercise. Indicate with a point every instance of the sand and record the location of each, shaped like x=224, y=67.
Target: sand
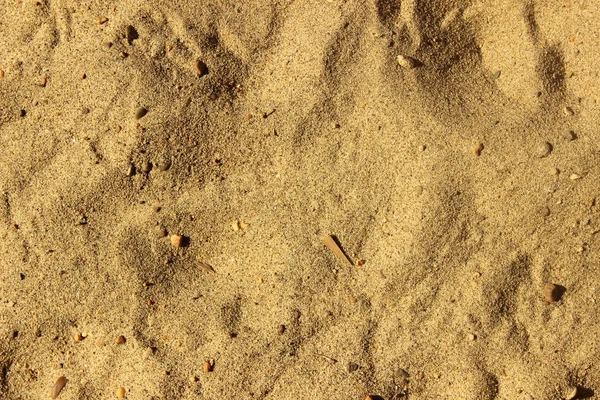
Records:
x=300, y=123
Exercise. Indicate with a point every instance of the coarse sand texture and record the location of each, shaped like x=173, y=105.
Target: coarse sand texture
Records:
x=299, y=199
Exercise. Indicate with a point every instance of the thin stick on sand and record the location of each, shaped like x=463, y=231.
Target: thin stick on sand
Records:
x=333, y=246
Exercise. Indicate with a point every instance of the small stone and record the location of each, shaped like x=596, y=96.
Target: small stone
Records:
x=568, y=111
x=571, y=135
x=140, y=113
x=159, y=232
x=101, y=20
x=1, y=74
x=472, y=336
x=83, y=76
x=176, y=240
x=352, y=366
x=554, y=171
x=43, y=81
x=164, y=165
x=147, y=167
x=79, y=337
x=201, y=68
x=131, y=170
x=207, y=367
x=477, y=149
x=552, y=292
x=422, y=147
x=406, y=62
x=497, y=74
x=574, y=177
x=194, y=379
x=121, y=393
x=120, y=340
x=281, y=329
x=570, y=393
x=359, y=262
x=544, y=211
x=235, y=225
x=131, y=34
x=543, y=150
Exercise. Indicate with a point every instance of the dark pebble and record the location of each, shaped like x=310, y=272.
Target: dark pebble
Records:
x=140, y=113
x=131, y=34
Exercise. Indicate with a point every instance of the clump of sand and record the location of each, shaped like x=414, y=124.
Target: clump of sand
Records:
x=300, y=123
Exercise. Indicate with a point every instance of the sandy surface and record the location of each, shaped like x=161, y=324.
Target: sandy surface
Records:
x=465, y=180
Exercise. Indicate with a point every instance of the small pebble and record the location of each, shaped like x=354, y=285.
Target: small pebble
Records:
x=83, y=76
x=406, y=62
x=120, y=340
x=551, y=292
x=131, y=170
x=140, y=113
x=1, y=74
x=281, y=329
x=472, y=336
x=58, y=386
x=207, y=367
x=574, y=177
x=544, y=211
x=422, y=147
x=176, y=240
x=146, y=167
x=568, y=111
x=497, y=74
x=571, y=135
x=543, y=150
x=235, y=225
x=164, y=165
x=194, y=379
x=131, y=34
x=201, y=68
x=101, y=20
x=79, y=337
x=359, y=262
x=477, y=149
x=570, y=393
x=159, y=232
x=554, y=171
x=121, y=393
x=352, y=366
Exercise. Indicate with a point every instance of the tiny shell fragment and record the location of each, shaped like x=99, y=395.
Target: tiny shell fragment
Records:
x=333, y=246
x=58, y=386
x=206, y=267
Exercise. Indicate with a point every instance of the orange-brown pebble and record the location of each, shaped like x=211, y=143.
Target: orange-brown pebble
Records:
x=477, y=149
x=207, y=367
x=201, y=68
x=121, y=393
x=359, y=262
x=551, y=292
x=120, y=340
x=78, y=337
x=101, y=20
x=1, y=74
x=83, y=76
x=177, y=240
x=58, y=386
